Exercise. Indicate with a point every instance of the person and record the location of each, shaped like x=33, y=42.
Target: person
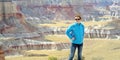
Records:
x=75, y=33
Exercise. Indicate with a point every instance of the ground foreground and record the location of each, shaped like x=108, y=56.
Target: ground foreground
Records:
x=93, y=50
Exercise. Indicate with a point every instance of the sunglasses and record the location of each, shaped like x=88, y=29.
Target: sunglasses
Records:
x=77, y=19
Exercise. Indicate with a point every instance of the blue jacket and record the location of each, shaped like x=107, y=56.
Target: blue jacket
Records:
x=77, y=31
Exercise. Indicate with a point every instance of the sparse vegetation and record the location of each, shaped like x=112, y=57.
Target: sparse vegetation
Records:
x=52, y=58
x=92, y=49
x=57, y=24
x=76, y=57
x=64, y=24
x=48, y=53
x=57, y=38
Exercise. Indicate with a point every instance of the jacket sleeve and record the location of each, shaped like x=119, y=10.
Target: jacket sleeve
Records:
x=68, y=32
x=83, y=30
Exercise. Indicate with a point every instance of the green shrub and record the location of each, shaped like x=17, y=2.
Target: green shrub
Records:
x=75, y=58
x=52, y=58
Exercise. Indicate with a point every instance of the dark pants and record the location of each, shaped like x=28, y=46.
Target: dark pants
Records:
x=73, y=49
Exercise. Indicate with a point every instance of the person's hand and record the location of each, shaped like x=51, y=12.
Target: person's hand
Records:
x=73, y=38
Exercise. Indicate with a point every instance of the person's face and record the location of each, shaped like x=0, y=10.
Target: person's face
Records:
x=78, y=19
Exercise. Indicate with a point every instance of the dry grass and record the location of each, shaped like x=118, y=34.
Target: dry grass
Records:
x=92, y=23
x=96, y=48
x=93, y=50
x=101, y=50
x=63, y=23
x=59, y=54
x=57, y=38
x=57, y=24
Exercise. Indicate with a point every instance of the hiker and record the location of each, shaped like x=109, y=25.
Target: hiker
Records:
x=75, y=32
